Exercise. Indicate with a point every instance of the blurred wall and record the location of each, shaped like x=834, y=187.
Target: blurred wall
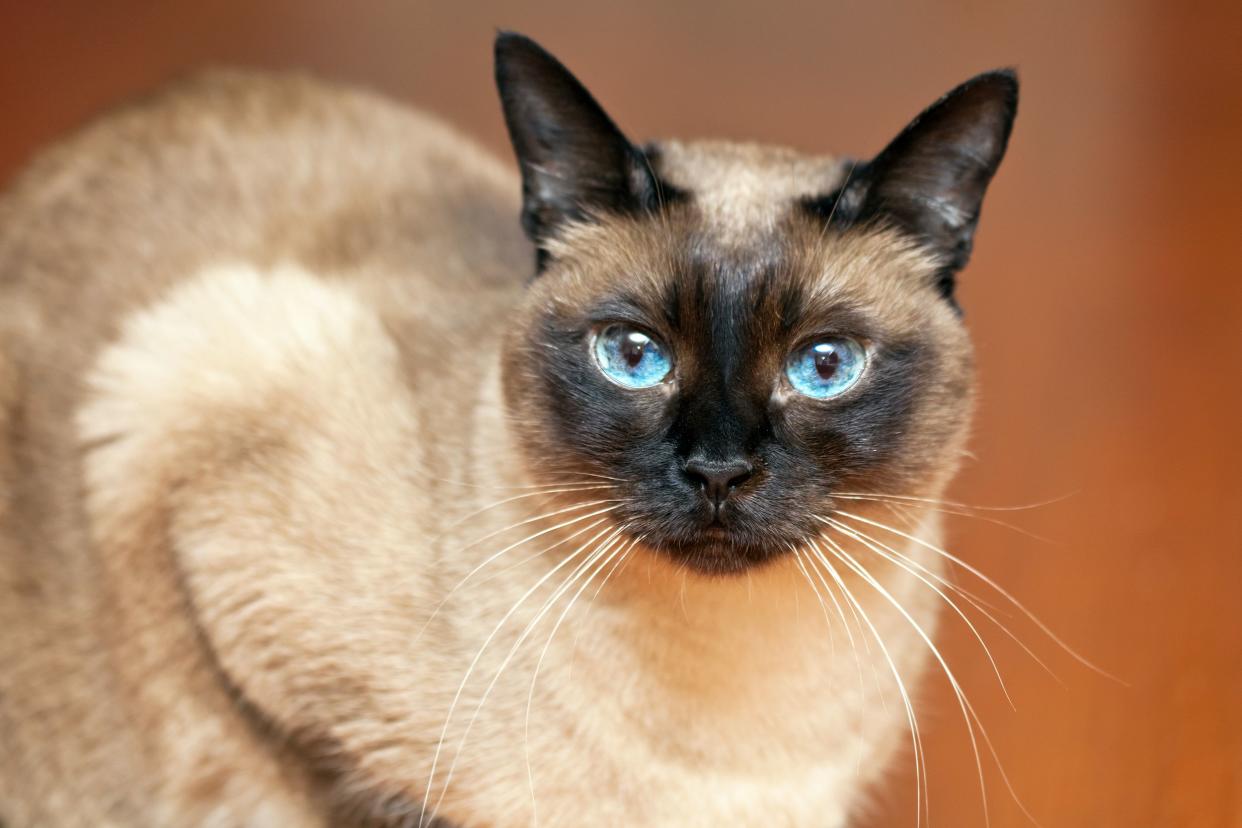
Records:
x=1105, y=296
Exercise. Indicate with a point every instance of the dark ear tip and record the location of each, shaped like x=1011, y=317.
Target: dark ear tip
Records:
x=995, y=91
x=510, y=44
x=1002, y=82
x=1005, y=75
x=507, y=38
x=1006, y=78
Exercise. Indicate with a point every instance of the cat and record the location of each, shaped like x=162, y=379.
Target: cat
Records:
x=345, y=481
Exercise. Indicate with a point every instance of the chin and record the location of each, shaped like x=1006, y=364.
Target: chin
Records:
x=712, y=552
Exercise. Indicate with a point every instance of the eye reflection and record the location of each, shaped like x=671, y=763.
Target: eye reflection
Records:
x=630, y=357
x=827, y=368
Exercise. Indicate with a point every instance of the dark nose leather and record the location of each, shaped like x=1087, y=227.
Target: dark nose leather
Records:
x=717, y=478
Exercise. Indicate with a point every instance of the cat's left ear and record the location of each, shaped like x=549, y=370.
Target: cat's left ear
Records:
x=931, y=179
x=575, y=162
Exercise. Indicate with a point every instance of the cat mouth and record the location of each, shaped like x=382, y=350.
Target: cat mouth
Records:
x=714, y=541
x=717, y=550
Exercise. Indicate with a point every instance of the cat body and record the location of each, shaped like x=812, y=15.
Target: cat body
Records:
x=296, y=529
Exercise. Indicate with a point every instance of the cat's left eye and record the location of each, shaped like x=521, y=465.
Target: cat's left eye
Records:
x=631, y=358
x=827, y=368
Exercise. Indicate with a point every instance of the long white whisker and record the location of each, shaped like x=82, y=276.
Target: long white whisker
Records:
x=475, y=661
x=1001, y=590
x=530, y=627
x=920, y=765
x=445, y=598
x=894, y=502
x=951, y=503
x=862, y=684
x=823, y=605
x=621, y=551
x=968, y=712
x=633, y=543
x=601, y=476
x=523, y=496
x=590, y=605
x=912, y=521
x=853, y=611
x=527, y=521
x=492, y=487
x=875, y=673
x=976, y=602
x=900, y=561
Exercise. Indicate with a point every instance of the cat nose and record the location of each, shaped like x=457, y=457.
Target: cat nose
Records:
x=717, y=478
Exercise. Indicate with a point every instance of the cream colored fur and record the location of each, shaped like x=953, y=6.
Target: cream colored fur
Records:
x=246, y=461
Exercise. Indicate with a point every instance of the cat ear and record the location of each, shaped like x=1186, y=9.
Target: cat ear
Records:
x=575, y=162
x=931, y=179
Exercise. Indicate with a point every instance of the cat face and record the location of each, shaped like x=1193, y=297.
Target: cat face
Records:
x=732, y=335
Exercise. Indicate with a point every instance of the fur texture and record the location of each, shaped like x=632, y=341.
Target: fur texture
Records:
x=290, y=464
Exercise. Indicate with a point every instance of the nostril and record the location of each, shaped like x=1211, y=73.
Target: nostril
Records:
x=718, y=478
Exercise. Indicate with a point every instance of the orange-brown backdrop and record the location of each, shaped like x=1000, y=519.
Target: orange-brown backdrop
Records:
x=1105, y=297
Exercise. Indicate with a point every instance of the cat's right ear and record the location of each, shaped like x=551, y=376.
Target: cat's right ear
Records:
x=931, y=179
x=575, y=163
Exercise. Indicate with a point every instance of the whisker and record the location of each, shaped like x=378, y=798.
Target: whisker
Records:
x=602, y=477
x=527, y=521
x=492, y=487
x=968, y=711
x=823, y=231
x=912, y=521
x=633, y=543
x=853, y=612
x=862, y=683
x=979, y=604
x=951, y=503
x=875, y=673
x=985, y=579
x=475, y=661
x=524, y=496
x=897, y=560
x=920, y=764
x=621, y=550
x=638, y=539
x=445, y=598
x=530, y=627
x=902, y=507
x=823, y=605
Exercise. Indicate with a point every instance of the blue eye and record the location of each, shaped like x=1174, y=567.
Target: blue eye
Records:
x=631, y=358
x=826, y=369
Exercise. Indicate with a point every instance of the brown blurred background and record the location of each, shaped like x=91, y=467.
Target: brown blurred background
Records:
x=1105, y=296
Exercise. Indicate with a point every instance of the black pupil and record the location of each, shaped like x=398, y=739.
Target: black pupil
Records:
x=826, y=362
x=633, y=344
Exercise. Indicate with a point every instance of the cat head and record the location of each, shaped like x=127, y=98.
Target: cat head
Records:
x=734, y=335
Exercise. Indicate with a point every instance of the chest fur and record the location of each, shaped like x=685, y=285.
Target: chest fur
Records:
x=671, y=703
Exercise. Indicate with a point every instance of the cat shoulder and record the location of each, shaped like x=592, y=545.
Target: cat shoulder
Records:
x=269, y=372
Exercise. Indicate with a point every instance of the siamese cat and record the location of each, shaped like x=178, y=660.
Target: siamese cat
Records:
x=348, y=479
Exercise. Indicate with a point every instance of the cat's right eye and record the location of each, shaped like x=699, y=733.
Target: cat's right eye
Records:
x=826, y=369
x=630, y=357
